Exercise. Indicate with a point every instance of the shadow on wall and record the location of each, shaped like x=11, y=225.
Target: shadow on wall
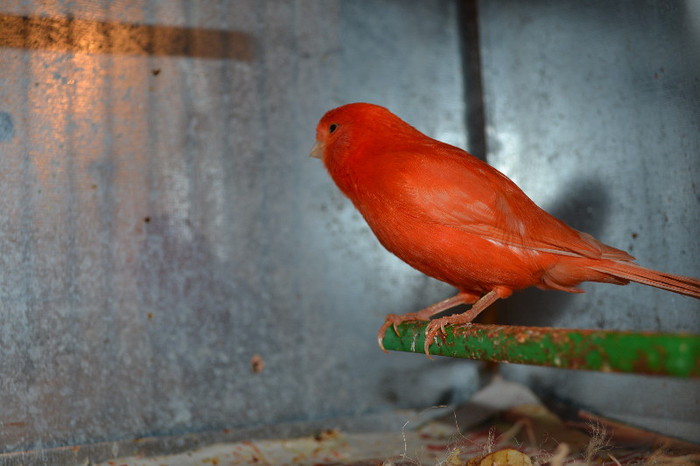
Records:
x=585, y=208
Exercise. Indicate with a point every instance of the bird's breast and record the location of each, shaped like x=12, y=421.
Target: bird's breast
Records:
x=451, y=255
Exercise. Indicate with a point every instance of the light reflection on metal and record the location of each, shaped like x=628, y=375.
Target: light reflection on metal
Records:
x=156, y=205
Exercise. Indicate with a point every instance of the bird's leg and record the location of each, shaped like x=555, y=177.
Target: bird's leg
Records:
x=458, y=319
x=424, y=314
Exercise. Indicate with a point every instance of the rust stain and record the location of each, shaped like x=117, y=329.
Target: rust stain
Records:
x=14, y=424
x=327, y=434
x=257, y=364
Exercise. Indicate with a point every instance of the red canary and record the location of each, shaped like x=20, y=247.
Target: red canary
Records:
x=461, y=221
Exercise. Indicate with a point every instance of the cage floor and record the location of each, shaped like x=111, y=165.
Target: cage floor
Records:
x=515, y=443
x=505, y=423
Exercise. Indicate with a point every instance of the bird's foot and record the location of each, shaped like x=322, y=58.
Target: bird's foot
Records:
x=394, y=320
x=438, y=325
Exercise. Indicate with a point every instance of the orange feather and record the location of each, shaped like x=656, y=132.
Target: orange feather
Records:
x=461, y=221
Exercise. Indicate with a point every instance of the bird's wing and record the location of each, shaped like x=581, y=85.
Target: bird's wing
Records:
x=458, y=190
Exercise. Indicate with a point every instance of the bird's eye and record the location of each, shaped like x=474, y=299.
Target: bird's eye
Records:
x=332, y=128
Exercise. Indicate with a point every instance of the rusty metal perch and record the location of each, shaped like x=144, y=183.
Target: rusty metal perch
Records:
x=651, y=353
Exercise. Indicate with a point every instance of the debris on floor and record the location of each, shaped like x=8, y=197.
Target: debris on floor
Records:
x=504, y=423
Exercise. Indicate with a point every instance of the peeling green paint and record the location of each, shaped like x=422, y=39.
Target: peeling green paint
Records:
x=600, y=350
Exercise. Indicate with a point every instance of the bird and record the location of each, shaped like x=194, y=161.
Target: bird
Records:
x=459, y=220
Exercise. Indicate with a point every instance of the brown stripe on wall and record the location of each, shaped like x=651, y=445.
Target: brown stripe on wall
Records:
x=109, y=37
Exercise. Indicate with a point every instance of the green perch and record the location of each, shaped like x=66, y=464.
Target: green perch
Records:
x=671, y=354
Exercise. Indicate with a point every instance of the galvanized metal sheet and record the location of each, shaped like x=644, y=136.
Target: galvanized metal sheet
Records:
x=592, y=108
x=163, y=226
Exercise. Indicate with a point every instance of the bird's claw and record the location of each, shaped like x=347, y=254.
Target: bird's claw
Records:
x=392, y=320
x=434, y=326
x=380, y=336
x=438, y=326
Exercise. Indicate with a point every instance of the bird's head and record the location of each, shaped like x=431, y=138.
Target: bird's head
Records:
x=343, y=129
x=348, y=138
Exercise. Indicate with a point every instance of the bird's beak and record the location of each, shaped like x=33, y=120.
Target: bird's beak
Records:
x=317, y=150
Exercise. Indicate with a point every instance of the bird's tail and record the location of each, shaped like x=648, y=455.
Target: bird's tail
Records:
x=630, y=271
